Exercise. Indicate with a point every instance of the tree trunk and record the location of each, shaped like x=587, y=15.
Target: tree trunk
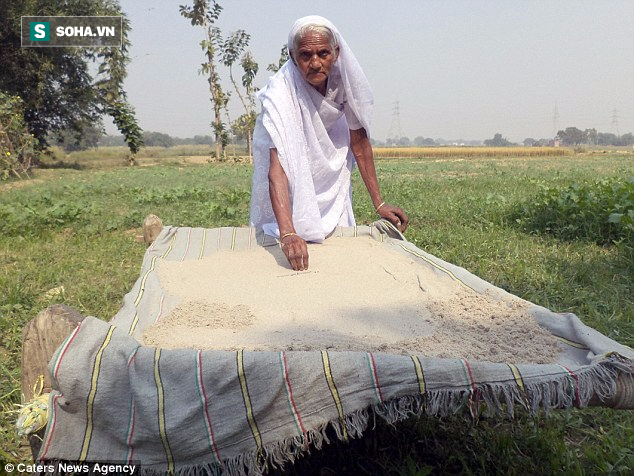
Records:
x=250, y=145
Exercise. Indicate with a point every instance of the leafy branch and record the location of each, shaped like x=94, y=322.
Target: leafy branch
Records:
x=17, y=145
x=232, y=49
x=204, y=13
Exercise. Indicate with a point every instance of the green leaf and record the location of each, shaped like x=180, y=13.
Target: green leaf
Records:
x=615, y=218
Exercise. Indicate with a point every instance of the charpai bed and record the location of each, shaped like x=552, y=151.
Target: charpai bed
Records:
x=232, y=412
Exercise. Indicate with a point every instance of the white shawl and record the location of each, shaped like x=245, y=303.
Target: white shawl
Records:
x=312, y=139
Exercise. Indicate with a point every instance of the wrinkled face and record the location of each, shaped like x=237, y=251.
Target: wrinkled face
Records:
x=314, y=59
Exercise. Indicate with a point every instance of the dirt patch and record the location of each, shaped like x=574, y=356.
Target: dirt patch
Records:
x=19, y=183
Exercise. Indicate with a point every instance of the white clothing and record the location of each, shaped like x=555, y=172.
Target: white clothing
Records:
x=311, y=135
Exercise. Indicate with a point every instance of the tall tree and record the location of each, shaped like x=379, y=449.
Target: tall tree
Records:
x=56, y=86
x=573, y=136
x=591, y=136
x=232, y=49
x=205, y=13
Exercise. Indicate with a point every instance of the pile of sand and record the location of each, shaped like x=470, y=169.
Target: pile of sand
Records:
x=357, y=295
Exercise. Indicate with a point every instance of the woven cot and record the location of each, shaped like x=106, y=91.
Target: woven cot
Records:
x=221, y=412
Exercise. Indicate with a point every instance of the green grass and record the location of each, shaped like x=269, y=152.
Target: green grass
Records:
x=76, y=228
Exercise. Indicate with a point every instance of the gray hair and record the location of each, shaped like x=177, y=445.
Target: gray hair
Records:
x=314, y=28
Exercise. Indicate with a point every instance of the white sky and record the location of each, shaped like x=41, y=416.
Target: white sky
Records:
x=458, y=69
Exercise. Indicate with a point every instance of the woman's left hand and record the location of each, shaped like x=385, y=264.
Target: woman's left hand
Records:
x=395, y=215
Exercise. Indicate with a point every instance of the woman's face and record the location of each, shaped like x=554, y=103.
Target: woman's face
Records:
x=314, y=59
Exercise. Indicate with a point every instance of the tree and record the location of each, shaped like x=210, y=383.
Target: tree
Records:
x=403, y=141
x=123, y=116
x=606, y=138
x=591, y=136
x=111, y=141
x=56, y=85
x=422, y=142
x=627, y=139
x=205, y=13
x=232, y=49
x=274, y=68
x=17, y=145
x=572, y=136
x=157, y=139
x=89, y=138
x=497, y=141
x=201, y=140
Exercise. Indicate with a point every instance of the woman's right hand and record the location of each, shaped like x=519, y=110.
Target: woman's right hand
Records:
x=296, y=251
x=394, y=215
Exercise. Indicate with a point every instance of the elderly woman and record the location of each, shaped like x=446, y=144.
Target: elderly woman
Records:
x=313, y=127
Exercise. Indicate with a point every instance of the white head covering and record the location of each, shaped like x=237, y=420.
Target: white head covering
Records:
x=356, y=86
x=312, y=140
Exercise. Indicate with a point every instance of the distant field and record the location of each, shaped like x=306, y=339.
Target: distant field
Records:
x=105, y=157
x=109, y=157
x=413, y=152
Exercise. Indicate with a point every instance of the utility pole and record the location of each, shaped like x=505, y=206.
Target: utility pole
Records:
x=555, y=120
x=615, y=122
x=395, y=132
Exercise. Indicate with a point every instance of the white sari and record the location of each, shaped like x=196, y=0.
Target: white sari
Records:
x=311, y=135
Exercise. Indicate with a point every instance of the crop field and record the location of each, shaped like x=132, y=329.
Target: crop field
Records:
x=556, y=229
x=466, y=152
x=106, y=157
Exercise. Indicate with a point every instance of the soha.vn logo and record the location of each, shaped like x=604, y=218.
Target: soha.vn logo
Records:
x=40, y=31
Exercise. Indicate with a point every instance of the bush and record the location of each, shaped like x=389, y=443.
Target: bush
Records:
x=602, y=212
x=17, y=146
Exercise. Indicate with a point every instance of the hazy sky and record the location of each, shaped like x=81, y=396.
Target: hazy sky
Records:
x=439, y=68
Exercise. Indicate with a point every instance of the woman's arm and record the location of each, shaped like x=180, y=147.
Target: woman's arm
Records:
x=293, y=245
x=362, y=150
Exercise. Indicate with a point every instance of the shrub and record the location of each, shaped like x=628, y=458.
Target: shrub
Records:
x=17, y=146
x=602, y=212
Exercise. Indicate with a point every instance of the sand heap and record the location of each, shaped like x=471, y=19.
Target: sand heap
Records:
x=357, y=295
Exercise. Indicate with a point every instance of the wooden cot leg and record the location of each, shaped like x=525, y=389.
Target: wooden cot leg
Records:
x=152, y=226
x=41, y=337
x=623, y=398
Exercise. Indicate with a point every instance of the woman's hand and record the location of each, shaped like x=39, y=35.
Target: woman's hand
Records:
x=395, y=215
x=296, y=251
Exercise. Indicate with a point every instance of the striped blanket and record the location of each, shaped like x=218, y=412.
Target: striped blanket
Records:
x=220, y=412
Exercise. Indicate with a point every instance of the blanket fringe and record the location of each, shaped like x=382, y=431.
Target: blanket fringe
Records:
x=574, y=390
x=568, y=391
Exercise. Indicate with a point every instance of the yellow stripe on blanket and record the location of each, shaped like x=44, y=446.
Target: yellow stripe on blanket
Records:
x=247, y=401
x=161, y=412
x=91, y=396
x=333, y=390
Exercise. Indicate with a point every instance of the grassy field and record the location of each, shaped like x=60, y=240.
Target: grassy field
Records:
x=76, y=228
